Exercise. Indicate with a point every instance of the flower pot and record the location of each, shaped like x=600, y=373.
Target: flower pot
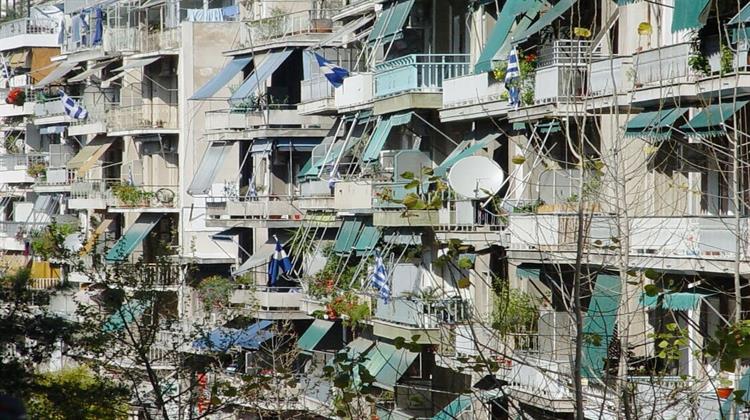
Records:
x=724, y=393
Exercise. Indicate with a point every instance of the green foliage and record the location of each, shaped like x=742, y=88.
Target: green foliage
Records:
x=76, y=394
x=726, y=60
x=131, y=196
x=332, y=277
x=730, y=344
x=48, y=242
x=348, y=307
x=214, y=291
x=527, y=67
x=514, y=311
x=36, y=169
x=530, y=207
x=427, y=191
x=699, y=64
x=670, y=343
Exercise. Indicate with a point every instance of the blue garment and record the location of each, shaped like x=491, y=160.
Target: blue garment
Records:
x=75, y=30
x=61, y=35
x=98, y=26
x=231, y=11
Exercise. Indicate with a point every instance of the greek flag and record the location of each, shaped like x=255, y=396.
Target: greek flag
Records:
x=72, y=108
x=335, y=74
x=379, y=278
x=279, y=262
x=512, y=74
x=4, y=71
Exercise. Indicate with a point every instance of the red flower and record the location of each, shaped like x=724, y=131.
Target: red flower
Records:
x=530, y=58
x=16, y=96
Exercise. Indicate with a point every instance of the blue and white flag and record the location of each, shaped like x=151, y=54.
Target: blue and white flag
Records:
x=512, y=74
x=379, y=278
x=279, y=262
x=335, y=74
x=4, y=71
x=72, y=108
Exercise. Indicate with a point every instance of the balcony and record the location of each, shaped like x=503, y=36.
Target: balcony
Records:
x=417, y=73
x=355, y=93
x=302, y=26
x=143, y=119
x=555, y=232
x=317, y=96
x=275, y=211
x=143, y=198
x=165, y=40
x=14, y=169
x=50, y=111
x=473, y=96
x=280, y=121
x=315, y=195
x=13, y=235
x=272, y=302
x=27, y=32
x=89, y=194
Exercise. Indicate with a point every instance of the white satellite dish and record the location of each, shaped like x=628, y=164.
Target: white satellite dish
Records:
x=476, y=177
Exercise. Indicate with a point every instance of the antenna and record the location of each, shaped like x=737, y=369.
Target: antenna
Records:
x=476, y=177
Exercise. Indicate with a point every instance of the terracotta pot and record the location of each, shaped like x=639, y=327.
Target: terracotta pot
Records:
x=724, y=393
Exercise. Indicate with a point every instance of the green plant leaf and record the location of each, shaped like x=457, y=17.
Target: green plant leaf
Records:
x=652, y=290
x=407, y=175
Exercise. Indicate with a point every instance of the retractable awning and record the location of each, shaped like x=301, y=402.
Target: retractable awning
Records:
x=134, y=64
x=358, y=347
x=209, y=167
x=390, y=24
x=125, y=314
x=223, y=339
x=93, y=69
x=234, y=67
x=380, y=135
x=127, y=243
x=56, y=74
x=600, y=320
x=455, y=408
x=710, y=121
x=347, y=236
x=346, y=30
x=739, y=25
x=677, y=301
x=264, y=70
x=300, y=145
x=388, y=364
x=228, y=234
x=502, y=29
x=259, y=259
x=465, y=149
x=689, y=14
x=545, y=20
x=654, y=124
x=314, y=334
x=367, y=240
x=87, y=157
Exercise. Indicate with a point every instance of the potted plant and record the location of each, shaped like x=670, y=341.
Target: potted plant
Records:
x=724, y=390
x=132, y=196
x=16, y=97
x=37, y=169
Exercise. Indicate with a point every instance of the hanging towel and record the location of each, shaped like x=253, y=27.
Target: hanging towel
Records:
x=98, y=26
x=201, y=15
x=61, y=35
x=75, y=30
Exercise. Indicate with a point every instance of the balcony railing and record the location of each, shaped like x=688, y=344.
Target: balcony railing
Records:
x=143, y=117
x=283, y=26
x=356, y=91
x=91, y=190
x=21, y=161
x=50, y=107
x=167, y=39
x=567, y=52
x=663, y=66
x=317, y=89
x=712, y=237
x=418, y=72
x=421, y=313
x=28, y=26
x=473, y=89
x=145, y=196
x=10, y=229
x=262, y=208
x=279, y=298
x=611, y=76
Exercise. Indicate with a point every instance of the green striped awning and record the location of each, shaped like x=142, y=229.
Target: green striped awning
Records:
x=678, y=301
x=690, y=14
x=125, y=314
x=314, y=334
x=130, y=240
x=503, y=27
x=599, y=322
x=380, y=135
x=388, y=364
x=709, y=122
x=347, y=237
x=368, y=240
x=455, y=408
x=654, y=124
x=545, y=20
x=390, y=24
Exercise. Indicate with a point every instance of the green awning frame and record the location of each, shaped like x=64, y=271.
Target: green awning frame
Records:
x=380, y=135
x=654, y=124
x=125, y=314
x=677, y=301
x=130, y=240
x=314, y=334
x=545, y=20
x=499, y=36
x=742, y=17
x=455, y=408
x=390, y=24
x=347, y=236
x=465, y=149
x=368, y=240
x=689, y=14
x=708, y=122
x=600, y=321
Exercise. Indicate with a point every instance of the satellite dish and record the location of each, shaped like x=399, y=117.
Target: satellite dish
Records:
x=476, y=177
x=73, y=242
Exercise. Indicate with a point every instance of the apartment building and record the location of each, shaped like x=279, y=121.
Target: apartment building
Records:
x=212, y=136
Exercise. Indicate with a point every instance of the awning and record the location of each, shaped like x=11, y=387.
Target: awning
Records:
x=314, y=334
x=125, y=314
x=455, y=408
x=390, y=24
x=223, y=339
x=380, y=135
x=528, y=273
x=600, y=321
x=43, y=270
x=655, y=124
x=742, y=17
x=262, y=72
x=709, y=122
x=56, y=74
x=689, y=14
x=367, y=241
x=358, y=347
x=134, y=64
x=503, y=25
x=548, y=127
x=545, y=20
x=46, y=204
x=89, y=155
x=91, y=241
x=346, y=30
x=347, y=236
x=93, y=69
x=388, y=364
x=18, y=58
x=221, y=78
x=261, y=146
x=300, y=145
x=465, y=149
x=228, y=234
x=133, y=236
x=678, y=301
x=259, y=258
x=209, y=167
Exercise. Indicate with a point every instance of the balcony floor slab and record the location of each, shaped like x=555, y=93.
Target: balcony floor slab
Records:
x=407, y=100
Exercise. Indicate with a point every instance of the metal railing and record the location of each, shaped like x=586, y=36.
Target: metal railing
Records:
x=143, y=117
x=146, y=196
x=418, y=72
x=424, y=313
x=279, y=298
x=26, y=26
x=316, y=89
x=21, y=161
x=282, y=26
x=91, y=189
x=11, y=229
x=51, y=107
x=567, y=52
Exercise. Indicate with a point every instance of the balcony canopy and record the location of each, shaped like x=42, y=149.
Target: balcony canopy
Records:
x=368, y=240
x=710, y=121
x=125, y=314
x=332, y=151
x=465, y=149
x=87, y=157
x=600, y=321
x=259, y=259
x=234, y=67
x=347, y=236
x=380, y=135
x=209, y=167
x=654, y=124
x=690, y=14
x=502, y=29
x=137, y=63
x=345, y=31
x=264, y=70
x=314, y=335
x=390, y=24
x=388, y=364
x=58, y=73
x=678, y=301
x=223, y=339
x=455, y=408
x=90, y=71
x=358, y=347
x=545, y=20
x=130, y=240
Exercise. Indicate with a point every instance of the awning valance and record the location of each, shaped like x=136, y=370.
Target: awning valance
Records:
x=209, y=167
x=130, y=240
x=234, y=67
x=710, y=121
x=677, y=301
x=654, y=124
x=390, y=24
x=263, y=71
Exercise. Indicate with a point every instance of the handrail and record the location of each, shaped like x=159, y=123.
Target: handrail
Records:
x=28, y=26
x=295, y=23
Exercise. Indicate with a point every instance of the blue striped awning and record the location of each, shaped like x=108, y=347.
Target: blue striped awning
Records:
x=260, y=75
x=221, y=78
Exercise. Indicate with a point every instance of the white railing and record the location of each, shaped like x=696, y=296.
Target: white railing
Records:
x=28, y=26
x=279, y=298
x=52, y=107
x=611, y=76
x=357, y=90
x=283, y=26
x=417, y=312
x=663, y=66
x=316, y=89
x=473, y=89
x=95, y=189
x=143, y=117
x=567, y=52
x=167, y=39
x=686, y=236
x=21, y=161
